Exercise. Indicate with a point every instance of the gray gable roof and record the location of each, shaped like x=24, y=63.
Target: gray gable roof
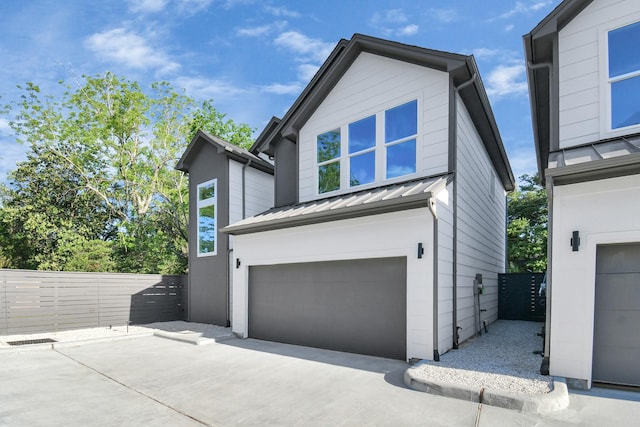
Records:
x=230, y=150
x=541, y=52
x=461, y=68
x=390, y=198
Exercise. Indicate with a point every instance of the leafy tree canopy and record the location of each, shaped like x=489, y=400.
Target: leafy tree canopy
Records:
x=527, y=217
x=98, y=190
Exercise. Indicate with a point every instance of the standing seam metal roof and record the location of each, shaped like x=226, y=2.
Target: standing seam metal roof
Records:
x=394, y=197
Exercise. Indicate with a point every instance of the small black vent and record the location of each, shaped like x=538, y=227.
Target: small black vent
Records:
x=27, y=342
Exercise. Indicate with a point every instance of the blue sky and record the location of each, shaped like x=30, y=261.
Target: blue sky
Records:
x=252, y=57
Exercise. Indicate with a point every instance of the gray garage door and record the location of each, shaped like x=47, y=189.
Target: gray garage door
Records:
x=616, y=342
x=357, y=306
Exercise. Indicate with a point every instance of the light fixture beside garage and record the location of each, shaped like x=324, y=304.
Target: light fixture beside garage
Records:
x=575, y=241
x=420, y=250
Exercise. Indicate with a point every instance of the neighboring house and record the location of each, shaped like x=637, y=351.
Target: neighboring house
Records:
x=390, y=184
x=226, y=184
x=584, y=79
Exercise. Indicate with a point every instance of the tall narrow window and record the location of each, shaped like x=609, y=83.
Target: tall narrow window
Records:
x=400, y=132
x=624, y=75
x=362, y=151
x=328, y=151
x=207, y=222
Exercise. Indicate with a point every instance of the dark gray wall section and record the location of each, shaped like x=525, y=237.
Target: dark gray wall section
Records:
x=286, y=173
x=356, y=306
x=208, y=288
x=616, y=341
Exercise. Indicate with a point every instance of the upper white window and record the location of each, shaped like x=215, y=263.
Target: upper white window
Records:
x=624, y=76
x=376, y=148
x=207, y=220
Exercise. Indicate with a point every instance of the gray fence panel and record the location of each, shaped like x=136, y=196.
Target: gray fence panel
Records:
x=48, y=301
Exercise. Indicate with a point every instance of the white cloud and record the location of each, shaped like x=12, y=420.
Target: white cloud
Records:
x=445, y=15
x=507, y=80
x=203, y=88
x=129, y=49
x=524, y=8
x=283, y=89
x=484, y=53
x=5, y=129
x=409, y=30
x=261, y=30
x=307, y=71
x=282, y=11
x=308, y=48
x=508, y=28
x=147, y=6
x=193, y=6
x=393, y=22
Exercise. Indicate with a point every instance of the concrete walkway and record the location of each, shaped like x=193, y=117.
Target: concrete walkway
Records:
x=155, y=381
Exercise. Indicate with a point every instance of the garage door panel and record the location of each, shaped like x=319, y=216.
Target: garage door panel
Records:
x=620, y=291
x=356, y=306
x=616, y=340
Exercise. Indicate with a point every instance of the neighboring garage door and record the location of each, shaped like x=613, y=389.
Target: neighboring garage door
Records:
x=616, y=341
x=357, y=306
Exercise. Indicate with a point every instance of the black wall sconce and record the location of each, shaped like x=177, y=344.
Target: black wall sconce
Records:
x=420, y=250
x=575, y=241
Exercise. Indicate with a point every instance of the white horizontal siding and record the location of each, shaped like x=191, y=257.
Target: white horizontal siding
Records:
x=235, y=191
x=259, y=190
x=373, y=84
x=583, y=108
x=445, y=272
x=481, y=226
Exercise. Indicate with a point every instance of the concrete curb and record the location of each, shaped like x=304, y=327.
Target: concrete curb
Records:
x=557, y=399
x=192, y=338
x=56, y=345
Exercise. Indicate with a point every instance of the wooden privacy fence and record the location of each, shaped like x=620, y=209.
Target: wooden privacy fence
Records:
x=49, y=301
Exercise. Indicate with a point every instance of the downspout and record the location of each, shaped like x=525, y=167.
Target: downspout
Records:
x=432, y=209
x=454, y=124
x=544, y=367
x=229, y=249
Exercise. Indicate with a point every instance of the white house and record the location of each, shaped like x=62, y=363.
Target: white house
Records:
x=584, y=80
x=389, y=217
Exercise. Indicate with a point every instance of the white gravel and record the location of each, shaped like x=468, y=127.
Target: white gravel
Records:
x=500, y=360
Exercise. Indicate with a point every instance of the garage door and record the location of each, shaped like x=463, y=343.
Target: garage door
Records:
x=616, y=342
x=357, y=306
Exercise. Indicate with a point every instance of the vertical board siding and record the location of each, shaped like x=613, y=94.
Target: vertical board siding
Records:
x=371, y=85
x=49, y=301
x=583, y=69
x=481, y=226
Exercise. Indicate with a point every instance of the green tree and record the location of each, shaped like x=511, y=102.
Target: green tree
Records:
x=117, y=145
x=527, y=217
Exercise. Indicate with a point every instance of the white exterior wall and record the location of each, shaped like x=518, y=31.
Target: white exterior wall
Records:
x=444, y=211
x=396, y=234
x=258, y=191
x=481, y=226
x=373, y=84
x=604, y=212
x=583, y=71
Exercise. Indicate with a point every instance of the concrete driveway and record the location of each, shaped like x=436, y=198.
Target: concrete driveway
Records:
x=155, y=381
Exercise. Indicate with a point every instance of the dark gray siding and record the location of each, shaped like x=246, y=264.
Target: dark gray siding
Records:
x=208, y=290
x=286, y=173
x=357, y=306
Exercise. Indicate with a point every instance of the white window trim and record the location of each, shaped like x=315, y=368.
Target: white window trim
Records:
x=204, y=203
x=380, y=150
x=606, y=130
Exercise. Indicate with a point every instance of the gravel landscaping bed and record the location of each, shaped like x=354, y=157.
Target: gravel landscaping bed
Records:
x=500, y=360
